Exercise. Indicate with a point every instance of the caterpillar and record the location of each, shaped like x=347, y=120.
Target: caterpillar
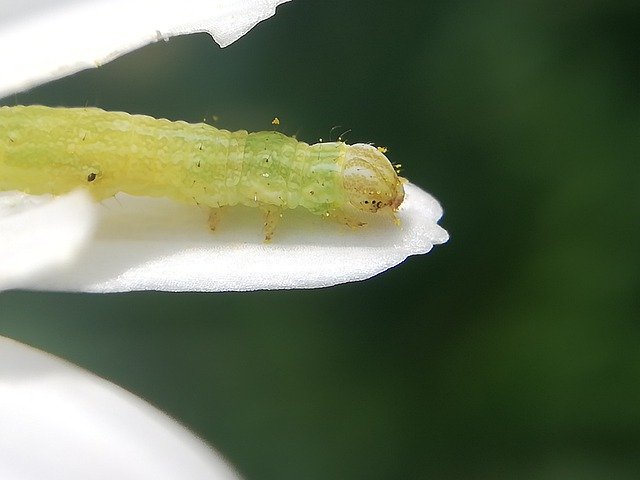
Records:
x=56, y=150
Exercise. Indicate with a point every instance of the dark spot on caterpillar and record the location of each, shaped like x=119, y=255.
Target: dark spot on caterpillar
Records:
x=311, y=192
x=91, y=177
x=84, y=136
x=366, y=202
x=200, y=147
x=11, y=140
x=198, y=164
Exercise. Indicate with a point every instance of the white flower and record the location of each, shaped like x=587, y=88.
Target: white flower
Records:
x=135, y=243
x=41, y=40
x=60, y=422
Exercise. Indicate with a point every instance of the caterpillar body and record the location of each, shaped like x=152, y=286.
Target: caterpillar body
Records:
x=56, y=150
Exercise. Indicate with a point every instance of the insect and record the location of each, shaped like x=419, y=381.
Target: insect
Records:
x=56, y=150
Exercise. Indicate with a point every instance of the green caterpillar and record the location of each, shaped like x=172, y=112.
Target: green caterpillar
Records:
x=56, y=150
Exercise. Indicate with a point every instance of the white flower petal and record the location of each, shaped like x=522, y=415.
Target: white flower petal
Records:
x=30, y=243
x=60, y=422
x=41, y=40
x=156, y=244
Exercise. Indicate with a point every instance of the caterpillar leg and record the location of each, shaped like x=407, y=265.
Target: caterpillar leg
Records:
x=348, y=220
x=214, y=218
x=272, y=216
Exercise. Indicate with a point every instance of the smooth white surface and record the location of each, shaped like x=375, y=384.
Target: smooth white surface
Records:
x=59, y=422
x=26, y=249
x=155, y=244
x=41, y=40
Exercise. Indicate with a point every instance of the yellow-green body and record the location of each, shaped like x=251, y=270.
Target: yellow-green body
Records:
x=47, y=150
x=56, y=150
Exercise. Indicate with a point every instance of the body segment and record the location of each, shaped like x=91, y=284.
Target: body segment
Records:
x=56, y=150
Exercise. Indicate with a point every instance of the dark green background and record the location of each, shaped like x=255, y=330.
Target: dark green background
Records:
x=513, y=351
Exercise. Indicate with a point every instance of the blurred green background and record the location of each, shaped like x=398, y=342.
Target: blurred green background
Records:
x=513, y=351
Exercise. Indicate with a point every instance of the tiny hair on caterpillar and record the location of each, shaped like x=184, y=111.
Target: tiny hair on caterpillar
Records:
x=46, y=150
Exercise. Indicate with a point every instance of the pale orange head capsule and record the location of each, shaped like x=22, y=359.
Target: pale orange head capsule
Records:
x=370, y=181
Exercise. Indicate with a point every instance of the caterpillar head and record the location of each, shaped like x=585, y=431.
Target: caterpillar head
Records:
x=370, y=181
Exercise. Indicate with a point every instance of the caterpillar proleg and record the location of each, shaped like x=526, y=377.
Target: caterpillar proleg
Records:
x=56, y=150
